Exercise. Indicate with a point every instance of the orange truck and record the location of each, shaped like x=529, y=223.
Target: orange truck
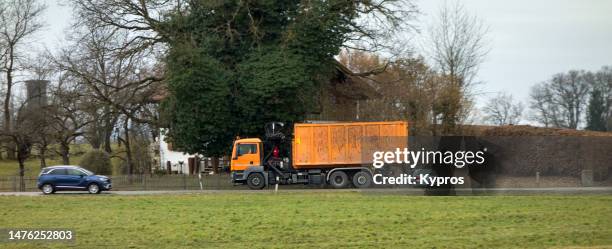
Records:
x=338, y=154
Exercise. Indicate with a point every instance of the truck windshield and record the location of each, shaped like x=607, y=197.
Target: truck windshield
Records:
x=243, y=149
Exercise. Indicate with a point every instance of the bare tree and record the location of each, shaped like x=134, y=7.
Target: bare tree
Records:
x=458, y=47
x=40, y=69
x=2, y=84
x=380, y=26
x=18, y=22
x=3, y=42
x=66, y=116
x=103, y=121
x=113, y=72
x=143, y=20
x=117, y=77
x=571, y=90
x=29, y=122
x=458, y=43
x=561, y=101
x=503, y=110
x=133, y=15
x=147, y=20
x=406, y=87
x=602, y=80
x=543, y=109
x=409, y=89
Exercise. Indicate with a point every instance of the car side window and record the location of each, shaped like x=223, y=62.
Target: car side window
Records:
x=58, y=172
x=246, y=149
x=75, y=172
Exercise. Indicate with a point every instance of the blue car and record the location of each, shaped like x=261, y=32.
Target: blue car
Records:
x=68, y=177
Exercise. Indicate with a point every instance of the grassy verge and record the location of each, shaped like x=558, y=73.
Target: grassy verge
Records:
x=313, y=220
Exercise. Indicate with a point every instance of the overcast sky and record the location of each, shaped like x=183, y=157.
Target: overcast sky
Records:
x=530, y=39
x=534, y=39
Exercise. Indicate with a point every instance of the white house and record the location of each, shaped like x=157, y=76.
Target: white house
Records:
x=166, y=154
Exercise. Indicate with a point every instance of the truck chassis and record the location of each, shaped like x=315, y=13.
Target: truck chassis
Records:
x=258, y=177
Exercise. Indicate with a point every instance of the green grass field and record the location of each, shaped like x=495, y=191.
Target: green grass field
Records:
x=314, y=220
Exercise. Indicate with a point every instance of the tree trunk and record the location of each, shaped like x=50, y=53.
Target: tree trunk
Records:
x=7, y=102
x=107, y=141
x=128, y=150
x=21, y=175
x=65, y=152
x=10, y=150
x=95, y=140
x=23, y=151
x=95, y=145
x=43, y=155
x=94, y=136
x=109, y=124
x=215, y=162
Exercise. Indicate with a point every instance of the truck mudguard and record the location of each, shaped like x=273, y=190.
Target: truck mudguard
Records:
x=255, y=169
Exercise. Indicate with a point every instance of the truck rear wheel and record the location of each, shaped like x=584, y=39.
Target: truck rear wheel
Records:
x=256, y=181
x=338, y=179
x=362, y=179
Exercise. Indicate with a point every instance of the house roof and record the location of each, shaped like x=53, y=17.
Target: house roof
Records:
x=350, y=85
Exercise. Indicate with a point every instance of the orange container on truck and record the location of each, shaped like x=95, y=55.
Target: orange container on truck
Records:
x=338, y=154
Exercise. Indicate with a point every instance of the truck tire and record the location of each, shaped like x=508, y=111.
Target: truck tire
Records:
x=338, y=179
x=362, y=179
x=256, y=181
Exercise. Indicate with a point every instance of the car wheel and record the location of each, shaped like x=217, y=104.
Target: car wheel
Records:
x=93, y=188
x=48, y=189
x=338, y=179
x=256, y=181
x=362, y=179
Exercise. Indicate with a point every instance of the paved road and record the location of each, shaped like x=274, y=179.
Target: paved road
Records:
x=401, y=191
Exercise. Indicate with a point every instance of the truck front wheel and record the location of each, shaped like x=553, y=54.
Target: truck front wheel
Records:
x=256, y=181
x=362, y=179
x=338, y=179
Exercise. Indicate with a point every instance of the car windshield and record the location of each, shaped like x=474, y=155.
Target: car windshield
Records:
x=89, y=173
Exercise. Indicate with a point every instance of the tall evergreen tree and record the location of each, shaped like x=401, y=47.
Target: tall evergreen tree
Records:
x=235, y=65
x=596, y=112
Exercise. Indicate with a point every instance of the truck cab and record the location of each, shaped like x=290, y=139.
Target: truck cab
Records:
x=247, y=154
